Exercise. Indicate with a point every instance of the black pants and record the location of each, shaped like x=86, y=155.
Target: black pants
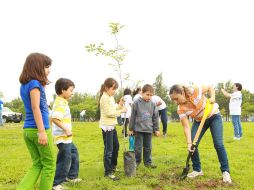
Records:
x=111, y=148
x=126, y=123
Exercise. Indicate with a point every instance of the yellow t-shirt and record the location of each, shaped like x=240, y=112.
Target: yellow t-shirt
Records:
x=61, y=111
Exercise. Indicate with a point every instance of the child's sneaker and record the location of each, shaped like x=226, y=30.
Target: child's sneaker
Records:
x=59, y=187
x=226, y=177
x=115, y=169
x=150, y=166
x=75, y=180
x=195, y=174
x=113, y=177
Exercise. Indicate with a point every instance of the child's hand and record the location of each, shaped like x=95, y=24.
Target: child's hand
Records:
x=43, y=138
x=121, y=102
x=157, y=133
x=124, y=110
x=68, y=132
x=130, y=133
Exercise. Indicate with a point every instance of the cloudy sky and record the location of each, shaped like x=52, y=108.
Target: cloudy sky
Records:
x=204, y=42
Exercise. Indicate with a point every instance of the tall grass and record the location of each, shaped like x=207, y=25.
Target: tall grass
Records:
x=169, y=154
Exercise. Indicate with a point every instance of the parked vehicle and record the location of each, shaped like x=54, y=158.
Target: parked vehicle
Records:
x=11, y=116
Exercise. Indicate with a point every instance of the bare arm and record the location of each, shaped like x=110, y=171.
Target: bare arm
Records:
x=225, y=93
x=210, y=91
x=60, y=124
x=35, y=103
x=187, y=132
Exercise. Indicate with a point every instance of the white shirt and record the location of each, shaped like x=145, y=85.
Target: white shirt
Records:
x=127, y=103
x=156, y=100
x=235, y=103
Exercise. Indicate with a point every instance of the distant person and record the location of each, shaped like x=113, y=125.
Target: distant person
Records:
x=143, y=123
x=67, y=164
x=82, y=115
x=162, y=108
x=235, y=109
x=37, y=133
x=137, y=94
x=191, y=102
x=1, y=109
x=109, y=111
x=126, y=116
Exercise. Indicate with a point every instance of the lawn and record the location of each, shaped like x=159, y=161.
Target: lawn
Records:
x=169, y=154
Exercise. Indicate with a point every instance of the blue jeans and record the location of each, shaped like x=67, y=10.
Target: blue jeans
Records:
x=67, y=164
x=236, y=119
x=143, y=141
x=216, y=127
x=111, y=148
x=164, y=119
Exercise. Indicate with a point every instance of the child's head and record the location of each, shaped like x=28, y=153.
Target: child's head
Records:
x=36, y=67
x=137, y=91
x=109, y=86
x=147, y=92
x=127, y=91
x=237, y=87
x=64, y=88
x=177, y=94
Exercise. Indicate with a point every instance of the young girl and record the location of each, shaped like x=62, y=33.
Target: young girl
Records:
x=109, y=111
x=191, y=102
x=125, y=116
x=37, y=133
x=144, y=122
x=137, y=94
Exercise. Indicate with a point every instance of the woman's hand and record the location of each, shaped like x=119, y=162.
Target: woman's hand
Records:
x=189, y=148
x=43, y=138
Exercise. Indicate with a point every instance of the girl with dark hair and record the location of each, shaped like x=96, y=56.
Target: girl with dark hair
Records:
x=37, y=133
x=109, y=111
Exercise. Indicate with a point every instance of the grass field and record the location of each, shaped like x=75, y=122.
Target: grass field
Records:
x=169, y=154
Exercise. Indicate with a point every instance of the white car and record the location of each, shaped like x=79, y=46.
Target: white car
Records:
x=10, y=116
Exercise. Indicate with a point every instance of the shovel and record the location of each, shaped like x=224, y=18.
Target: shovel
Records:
x=208, y=108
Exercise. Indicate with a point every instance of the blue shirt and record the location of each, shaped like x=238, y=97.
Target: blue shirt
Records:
x=25, y=95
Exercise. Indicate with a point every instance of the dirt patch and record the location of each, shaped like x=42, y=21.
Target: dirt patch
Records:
x=211, y=184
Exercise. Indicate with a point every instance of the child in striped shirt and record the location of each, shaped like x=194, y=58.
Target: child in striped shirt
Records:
x=67, y=165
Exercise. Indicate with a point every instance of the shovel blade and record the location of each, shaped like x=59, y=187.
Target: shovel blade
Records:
x=185, y=172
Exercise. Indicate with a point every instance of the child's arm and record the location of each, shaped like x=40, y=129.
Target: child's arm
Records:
x=112, y=111
x=35, y=103
x=57, y=122
x=155, y=120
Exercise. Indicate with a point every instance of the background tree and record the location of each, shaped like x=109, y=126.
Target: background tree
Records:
x=161, y=89
x=118, y=53
x=222, y=100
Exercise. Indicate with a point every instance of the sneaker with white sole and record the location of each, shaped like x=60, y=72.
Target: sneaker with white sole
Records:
x=112, y=177
x=58, y=187
x=226, y=177
x=75, y=180
x=195, y=174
